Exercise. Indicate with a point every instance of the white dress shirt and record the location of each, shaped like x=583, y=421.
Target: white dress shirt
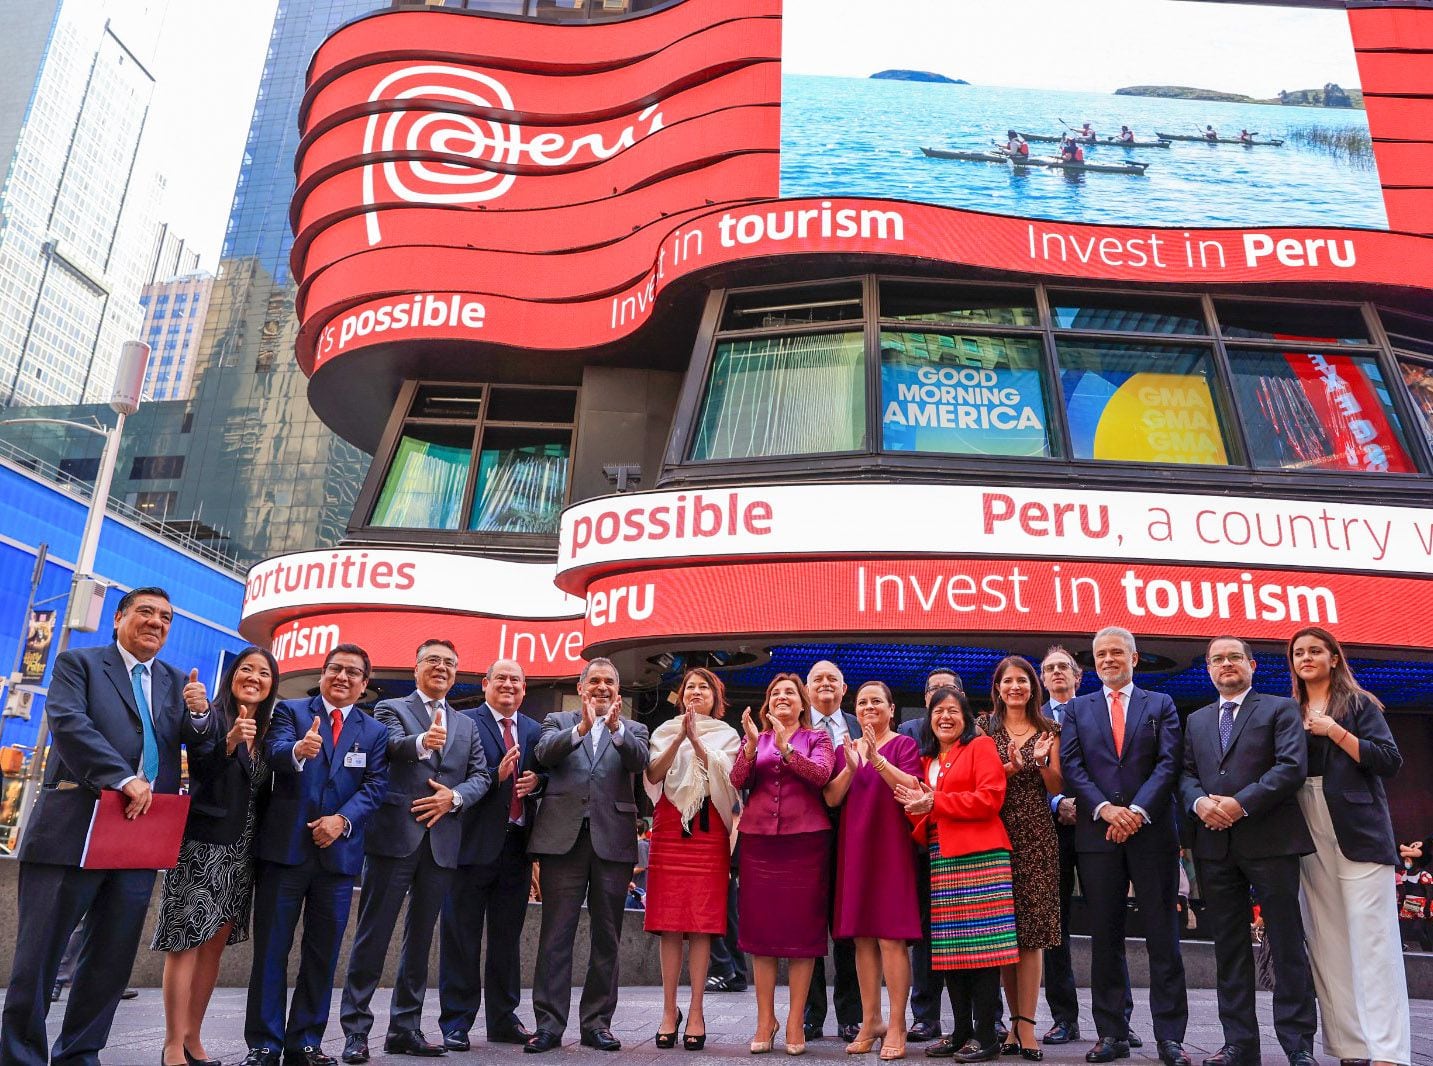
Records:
x=838, y=731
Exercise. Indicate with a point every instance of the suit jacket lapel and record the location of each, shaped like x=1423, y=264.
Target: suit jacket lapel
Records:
x=1135, y=715
x=346, y=741
x=1246, y=709
x=602, y=746
x=114, y=667
x=1106, y=730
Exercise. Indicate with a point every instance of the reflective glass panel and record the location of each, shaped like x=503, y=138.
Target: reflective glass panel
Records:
x=1142, y=402
x=1125, y=313
x=1318, y=411
x=1312, y=324
x=963, y=395
x=521, y=485
x=772, y=308
x=1412, y=333
x=911, y=302
x=424, y=485
x=1419, y=379
x=784, y=396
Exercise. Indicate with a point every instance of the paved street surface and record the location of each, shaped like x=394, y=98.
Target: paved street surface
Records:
x=139, y=1032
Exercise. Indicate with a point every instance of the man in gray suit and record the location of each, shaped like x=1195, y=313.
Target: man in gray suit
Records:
x=585, y=839
x=436, y=768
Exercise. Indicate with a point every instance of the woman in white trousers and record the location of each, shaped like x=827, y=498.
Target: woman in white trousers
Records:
x=1347, y=887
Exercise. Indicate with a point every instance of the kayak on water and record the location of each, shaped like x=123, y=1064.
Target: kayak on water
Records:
x=1034, y=161
x=1098, y=142
x=1271, y=142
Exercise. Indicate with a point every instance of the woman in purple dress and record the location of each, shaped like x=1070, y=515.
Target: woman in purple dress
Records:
x=876, y=866
x=785, y=832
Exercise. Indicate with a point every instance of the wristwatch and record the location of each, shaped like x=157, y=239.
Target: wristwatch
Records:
x=457, y=799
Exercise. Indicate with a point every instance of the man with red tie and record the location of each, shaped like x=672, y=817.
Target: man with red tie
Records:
x=1121, y=752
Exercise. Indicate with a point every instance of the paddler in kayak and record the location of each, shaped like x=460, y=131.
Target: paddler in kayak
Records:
x=1016, y=146
x=1087, y=132
x=1071, y=152
x=1126, y=135
x=1245, y=137
x=1210, y=133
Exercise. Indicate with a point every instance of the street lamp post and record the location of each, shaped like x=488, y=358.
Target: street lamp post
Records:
x=86, y=600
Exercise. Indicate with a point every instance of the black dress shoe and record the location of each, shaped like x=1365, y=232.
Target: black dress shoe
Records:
x=309, y=1056
x=1107, y=1049
x=1229, y=1055
x=1172, y=1053
x=129, y=993
x=601, y=1039
x=848, y=1033
x=1302, y=1058
x=812, y=1032
x=542, y=1041
x=355, y=1048
x=922, y=1033
x=514, y=1033
x=943, y=1048
x=456, y=1041
x=1061, y=1033
x=261, y=1056
x=978, y=1053
x=1133, y=1040
x=412, y=1042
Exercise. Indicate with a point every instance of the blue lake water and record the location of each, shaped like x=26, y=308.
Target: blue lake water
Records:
x=862, y=137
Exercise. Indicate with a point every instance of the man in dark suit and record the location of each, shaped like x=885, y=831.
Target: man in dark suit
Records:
x=490, y=889
x=1120, y=750
x=118, y=716
x=330, y=764
x=1245, y=757
x=436, y=768
x=827, y=687
x=1060, y=675
x=585, y=839
x=926, y=988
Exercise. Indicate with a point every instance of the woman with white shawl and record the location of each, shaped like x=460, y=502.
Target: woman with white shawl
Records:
x=689, y=780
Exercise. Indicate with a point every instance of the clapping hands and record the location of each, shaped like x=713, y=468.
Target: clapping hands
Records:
x=919, y=800
x=1044, y=747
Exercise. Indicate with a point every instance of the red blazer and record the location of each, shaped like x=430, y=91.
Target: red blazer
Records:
x=967, y=802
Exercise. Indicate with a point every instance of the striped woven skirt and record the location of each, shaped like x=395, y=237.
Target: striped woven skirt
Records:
x=972, y=913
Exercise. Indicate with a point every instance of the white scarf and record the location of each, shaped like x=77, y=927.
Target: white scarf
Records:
x=688, y=782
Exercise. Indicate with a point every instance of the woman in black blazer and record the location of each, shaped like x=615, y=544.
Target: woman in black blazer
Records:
x=1347, y=886
x=207, y=895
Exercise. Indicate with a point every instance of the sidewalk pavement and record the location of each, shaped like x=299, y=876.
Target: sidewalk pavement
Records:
x=138, y=1033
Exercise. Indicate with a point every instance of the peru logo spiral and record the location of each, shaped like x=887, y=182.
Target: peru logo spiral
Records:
x=480, y=140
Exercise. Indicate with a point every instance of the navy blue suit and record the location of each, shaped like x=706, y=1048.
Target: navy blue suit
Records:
x=98, y=743
x=296, y=875
x=1142, y=774
x=489, y=892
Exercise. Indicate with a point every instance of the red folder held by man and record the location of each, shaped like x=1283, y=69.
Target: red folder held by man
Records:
x=149, y=842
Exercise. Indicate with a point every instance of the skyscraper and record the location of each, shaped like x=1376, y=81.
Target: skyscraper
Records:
x=174, y=310
x=75, y=208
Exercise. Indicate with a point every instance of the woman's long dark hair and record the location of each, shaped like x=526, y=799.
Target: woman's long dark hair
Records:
x=1344, y=689
x=224, y=698
x=1032, y=709
x=930, y=744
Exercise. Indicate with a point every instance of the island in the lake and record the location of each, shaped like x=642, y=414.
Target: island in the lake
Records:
x=918, y=75
x=1330, y=95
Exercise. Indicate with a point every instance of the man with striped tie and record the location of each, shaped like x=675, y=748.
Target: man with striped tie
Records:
x=1120, y=749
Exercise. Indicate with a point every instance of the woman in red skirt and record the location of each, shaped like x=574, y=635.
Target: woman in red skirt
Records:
x=689, y=777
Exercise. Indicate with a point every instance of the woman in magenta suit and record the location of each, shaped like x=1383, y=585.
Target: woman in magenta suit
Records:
x=689, y=776
x=876, y=866
x=785, y=852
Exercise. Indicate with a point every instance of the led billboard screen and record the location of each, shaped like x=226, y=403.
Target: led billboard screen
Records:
x=1198, y=114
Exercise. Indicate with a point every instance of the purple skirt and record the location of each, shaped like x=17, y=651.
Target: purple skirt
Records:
x=784, y=894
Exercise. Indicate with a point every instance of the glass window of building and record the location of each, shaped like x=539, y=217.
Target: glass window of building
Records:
x=940, y=305
x=808, y=305
x=787, y=395
x=1318, y=411
x=1408, y=333
x=491, y=459
x=1120, y=312
x=1278, y=321
x=1418, y=377
x=963, y=394
x=1151, y=403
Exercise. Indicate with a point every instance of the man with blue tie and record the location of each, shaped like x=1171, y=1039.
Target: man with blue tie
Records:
x=330, y=763
x=494, y=877
x=118, y=715
x=1060, y=675
x=436, y=769
x=1244, y=760
x=1121, y=749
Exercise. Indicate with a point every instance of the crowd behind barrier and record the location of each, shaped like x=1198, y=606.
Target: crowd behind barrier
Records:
x=934, y=857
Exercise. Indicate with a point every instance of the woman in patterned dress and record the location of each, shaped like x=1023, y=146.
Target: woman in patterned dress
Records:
x=1029, y=747
x=955, y=811
x=206, y=898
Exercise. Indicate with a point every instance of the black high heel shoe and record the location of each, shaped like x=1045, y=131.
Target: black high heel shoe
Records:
x=194, y=1060
x=1029, y=1054
x=693, y=1043
x=669, y=1040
